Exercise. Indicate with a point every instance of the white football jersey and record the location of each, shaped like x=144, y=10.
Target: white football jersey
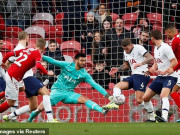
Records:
x=163, y=54
x=136, y=56
x=12, y=59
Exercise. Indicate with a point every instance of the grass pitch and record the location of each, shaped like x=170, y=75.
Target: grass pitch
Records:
x=101, y=128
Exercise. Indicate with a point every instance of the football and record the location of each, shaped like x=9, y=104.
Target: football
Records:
x=119, y=100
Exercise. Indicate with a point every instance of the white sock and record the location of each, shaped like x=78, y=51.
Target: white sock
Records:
x=142, y=105
x=116, y=91
x=20, y=111
x=148, y=106
x=14, y=108
x=47, y=107
x=37, y=111
x=165, y=108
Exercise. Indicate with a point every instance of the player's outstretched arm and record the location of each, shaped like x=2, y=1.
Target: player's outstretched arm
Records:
x=98, y=87
x=60, y=64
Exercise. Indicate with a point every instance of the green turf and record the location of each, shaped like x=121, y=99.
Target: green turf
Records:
x=102, y=128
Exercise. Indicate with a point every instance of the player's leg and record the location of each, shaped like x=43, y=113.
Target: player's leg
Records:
x=148, y=106
x=123, y=85
x=174, y=94
x=46, y=103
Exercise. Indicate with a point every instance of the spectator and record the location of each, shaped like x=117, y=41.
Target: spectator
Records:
x=54, y=52
x=44, y=6
x=41, y=76
x=73, y=13
x=20, y=13
x=93, y=4
x=141, y=24
x=98, y=46
x=144, y=40
x=87, y=31
x=101, y=13
x=101, y=75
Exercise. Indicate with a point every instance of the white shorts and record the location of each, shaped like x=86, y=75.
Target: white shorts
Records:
x=178, y=81
x=12, y=88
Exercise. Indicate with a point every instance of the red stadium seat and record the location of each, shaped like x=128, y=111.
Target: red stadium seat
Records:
x=157, y=27
x=85, y=16
x=14, y=41
x=129, y=19
x=114, y=16
x=2, y=23
x=12, y=32
x=54, y=31
x=58, y=19
x=70, y=48
x=154, y=18
x=43, y=18
x=35, y=32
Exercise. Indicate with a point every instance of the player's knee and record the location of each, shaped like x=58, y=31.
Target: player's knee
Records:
x=146, y=99
x=139, y=100
x=83, y=99
x=32, y=108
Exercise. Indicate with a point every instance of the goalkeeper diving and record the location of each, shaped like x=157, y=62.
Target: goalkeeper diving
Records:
x=63, y=89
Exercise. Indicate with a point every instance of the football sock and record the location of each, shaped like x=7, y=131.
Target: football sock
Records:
x=20, y=111
x=148, y=106
x=47, y=107
x=116, y=91
x=4, y=106
x=92, y=105
x=165, y=107
x=2, y=94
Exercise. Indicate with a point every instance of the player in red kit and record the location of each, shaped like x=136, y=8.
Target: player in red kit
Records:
x=27, y=58
x=175, y=44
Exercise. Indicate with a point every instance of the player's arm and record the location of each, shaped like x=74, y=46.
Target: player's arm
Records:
x=123, y=67
x=154, y=67
x=10, y=54
x=98, y=87
x=57, y=63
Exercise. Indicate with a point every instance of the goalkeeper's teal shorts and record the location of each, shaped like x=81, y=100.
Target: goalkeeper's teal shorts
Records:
x=67, y=97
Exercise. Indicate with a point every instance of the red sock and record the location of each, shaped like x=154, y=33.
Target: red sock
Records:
x=4, y=106
x=176, y=98
x=2, y=94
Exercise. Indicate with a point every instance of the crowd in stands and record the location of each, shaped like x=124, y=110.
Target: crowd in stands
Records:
x=98, y=25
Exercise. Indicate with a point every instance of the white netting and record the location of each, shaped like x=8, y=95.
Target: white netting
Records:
x=69, y=24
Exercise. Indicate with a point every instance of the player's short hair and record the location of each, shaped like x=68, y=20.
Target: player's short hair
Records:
x=156, y=34
x=40, y=43
x=80, y=55
x=22, y=35
x=145, y=31
x=125, y=42
x=1, y=37
x=52, y=41
x=170, y=26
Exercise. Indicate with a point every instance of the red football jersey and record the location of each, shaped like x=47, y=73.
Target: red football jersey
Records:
x=27, y=58
x=176, y=49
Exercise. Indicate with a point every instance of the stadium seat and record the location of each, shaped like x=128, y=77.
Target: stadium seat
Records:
x=88, y=58
x=155, y=18
x=54, y=31
x=42, y=18
x=70, y=48
x=12, y=32
x=157, y=27
x=129, y=19
x=114, y=16
x=58, y=19
x=35, y=32
x=2, y=23
x=85, y=16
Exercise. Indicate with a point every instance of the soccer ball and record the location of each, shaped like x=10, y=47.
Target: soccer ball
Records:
x=119, y=100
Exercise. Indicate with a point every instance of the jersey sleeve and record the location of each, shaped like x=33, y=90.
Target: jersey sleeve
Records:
x=174, y=44
x=10, y=54
x=38, y=59
x=169, y=52
x=57, y=63
x=99, y=88
x=142, y=50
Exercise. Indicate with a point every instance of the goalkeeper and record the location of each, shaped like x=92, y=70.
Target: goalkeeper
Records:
x=63, y=89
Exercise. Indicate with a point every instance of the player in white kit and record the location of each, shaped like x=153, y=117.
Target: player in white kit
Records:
x=163, y=84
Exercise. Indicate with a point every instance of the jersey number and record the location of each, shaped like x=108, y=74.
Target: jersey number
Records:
x=19, y=62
